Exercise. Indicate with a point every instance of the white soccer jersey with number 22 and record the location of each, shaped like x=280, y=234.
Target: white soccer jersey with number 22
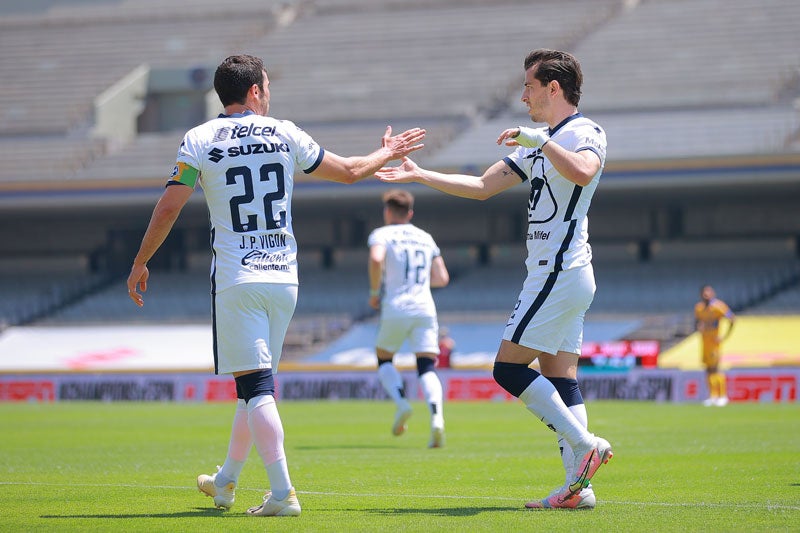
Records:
x=246, y=164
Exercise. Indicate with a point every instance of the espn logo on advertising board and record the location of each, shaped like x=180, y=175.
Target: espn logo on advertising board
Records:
x=762, y=388
x=22, y=391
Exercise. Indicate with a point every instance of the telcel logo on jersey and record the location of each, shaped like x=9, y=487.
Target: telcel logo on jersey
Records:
x=252, y=129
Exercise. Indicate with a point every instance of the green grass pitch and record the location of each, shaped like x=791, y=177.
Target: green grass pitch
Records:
x=132, y=467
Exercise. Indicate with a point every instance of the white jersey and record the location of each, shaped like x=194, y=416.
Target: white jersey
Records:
x=557, y=208
x=246, y=165
x=407, y=267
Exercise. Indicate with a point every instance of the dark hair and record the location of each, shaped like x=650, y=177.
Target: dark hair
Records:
x=235, y=76
x=398, y=201
x=559, y=66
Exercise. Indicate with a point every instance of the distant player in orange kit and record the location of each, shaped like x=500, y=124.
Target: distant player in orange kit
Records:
x=707, y=313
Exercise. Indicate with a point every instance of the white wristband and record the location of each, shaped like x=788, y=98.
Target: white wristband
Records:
x=532, y=137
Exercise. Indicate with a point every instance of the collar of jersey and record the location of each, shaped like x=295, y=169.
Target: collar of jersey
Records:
x=560, y=124
x=236, y=115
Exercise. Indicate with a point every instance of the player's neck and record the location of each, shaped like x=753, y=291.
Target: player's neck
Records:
x=561, y=114
x=238, y=109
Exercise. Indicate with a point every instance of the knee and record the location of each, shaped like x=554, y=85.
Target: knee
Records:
x=568, y=390
x=514, y=377
x=425, y=364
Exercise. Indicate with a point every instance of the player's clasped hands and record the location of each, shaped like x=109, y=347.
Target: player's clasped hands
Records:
x=405, y=172
x=404, y=143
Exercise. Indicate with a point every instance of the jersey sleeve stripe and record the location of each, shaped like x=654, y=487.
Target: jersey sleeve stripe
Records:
x=573, y=201
x=513, y=166
x=313, y=167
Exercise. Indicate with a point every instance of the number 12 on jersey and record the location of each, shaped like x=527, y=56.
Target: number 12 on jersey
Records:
x=416, y=265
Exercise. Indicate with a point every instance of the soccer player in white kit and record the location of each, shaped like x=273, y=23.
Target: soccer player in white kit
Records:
x=245, y=162
x=404, y=263
x=562, y=163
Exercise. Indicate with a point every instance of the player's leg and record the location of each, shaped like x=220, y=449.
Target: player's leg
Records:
x=250, y=335
x=391, y=335
x=221, y=485
x=513, y=373
x=716, y=378
x=722, y=386
x=711, y=362
x=562, y=372
x=424, y=342
x=267, y=429
x=539, y=324
x=432, y=392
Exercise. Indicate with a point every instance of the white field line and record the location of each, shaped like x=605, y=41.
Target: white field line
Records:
x=755, y=506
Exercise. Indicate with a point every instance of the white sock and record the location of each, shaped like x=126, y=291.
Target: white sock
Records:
x=567, y=457
x=279, y=471
x=238, y=448
x=267, y=429
x=392, y=381
x=432, y=392
x=542, y=399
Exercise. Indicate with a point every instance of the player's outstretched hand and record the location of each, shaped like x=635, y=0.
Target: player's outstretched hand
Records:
x=137, y=280
x=406, y=172
x=522, y=136
x=404, y=143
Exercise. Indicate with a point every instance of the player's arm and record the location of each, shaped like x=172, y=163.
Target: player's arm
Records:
x=578, y=167
x=377, y=255
x=164, y=215
x=440, y=277
x=334, y=167
x=497, y=178
x=731, y=320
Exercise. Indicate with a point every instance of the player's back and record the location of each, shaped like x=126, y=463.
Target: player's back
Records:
x=406, y=284
x=247, y=163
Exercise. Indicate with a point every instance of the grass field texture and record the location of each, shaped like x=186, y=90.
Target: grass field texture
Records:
x=132, y=467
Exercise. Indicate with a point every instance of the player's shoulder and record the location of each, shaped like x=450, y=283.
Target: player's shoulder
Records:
x=582, y=125
x=421, y=232
x=381, y=234
x=719, y=304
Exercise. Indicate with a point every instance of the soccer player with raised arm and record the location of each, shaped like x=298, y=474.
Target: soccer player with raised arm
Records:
x=404, y=263
x=245, y=162
x=562, y=164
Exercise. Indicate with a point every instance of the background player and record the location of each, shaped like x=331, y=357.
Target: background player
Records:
x=707, y=313
x=406, y=262
x=563, y=163
x=245, y=163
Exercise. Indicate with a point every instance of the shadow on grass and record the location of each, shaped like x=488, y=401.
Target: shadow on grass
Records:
x=205, y=512
x=196, y=513
x=441, y=511
x=350, y=447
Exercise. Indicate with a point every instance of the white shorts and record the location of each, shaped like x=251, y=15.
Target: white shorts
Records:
x=549, y=317
x=422, y=333
x=250, y=322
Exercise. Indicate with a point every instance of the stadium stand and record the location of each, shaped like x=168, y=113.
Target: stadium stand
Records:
x=676, y=83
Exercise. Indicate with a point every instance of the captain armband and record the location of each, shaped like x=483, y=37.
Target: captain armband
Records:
x=184, y=174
